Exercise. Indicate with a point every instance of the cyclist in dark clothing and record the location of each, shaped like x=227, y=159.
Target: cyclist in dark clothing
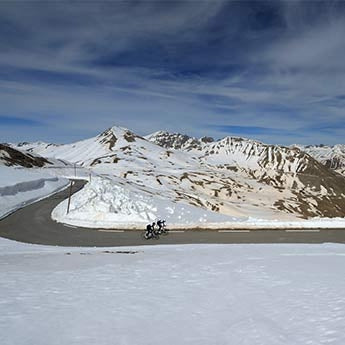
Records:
x=161, y=226
x=151, y=232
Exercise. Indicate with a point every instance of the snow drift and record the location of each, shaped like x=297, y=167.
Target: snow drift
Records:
x=20, y=187
x=110, y=203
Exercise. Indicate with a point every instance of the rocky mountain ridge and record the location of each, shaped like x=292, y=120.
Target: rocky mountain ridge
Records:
x=233, y=176
x=17, y=158
x=332, y=157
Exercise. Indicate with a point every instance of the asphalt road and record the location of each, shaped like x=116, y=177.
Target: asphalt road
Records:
x=33, y=224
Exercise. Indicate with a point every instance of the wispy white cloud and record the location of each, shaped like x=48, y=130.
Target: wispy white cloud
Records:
x=183, y=66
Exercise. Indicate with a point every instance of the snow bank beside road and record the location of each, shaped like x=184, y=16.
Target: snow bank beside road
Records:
x=194, y=295
x=108, y=204
x=20, y=187
x=112, y=203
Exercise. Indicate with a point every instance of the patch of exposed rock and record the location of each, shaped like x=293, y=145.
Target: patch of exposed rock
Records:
x=12, y=157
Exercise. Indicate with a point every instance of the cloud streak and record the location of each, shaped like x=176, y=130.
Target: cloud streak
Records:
x=18, y=121
x=275, y=69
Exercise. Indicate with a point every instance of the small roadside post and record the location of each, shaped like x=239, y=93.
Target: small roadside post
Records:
x=69, y=196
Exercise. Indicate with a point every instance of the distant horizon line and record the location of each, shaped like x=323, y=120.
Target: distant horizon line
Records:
x=24, y=142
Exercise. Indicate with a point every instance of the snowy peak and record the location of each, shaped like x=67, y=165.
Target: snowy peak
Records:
x=178, y=141
x=107, y=138
x=206, y=140
x=116, y=137
x=91, y=151
x=247, y=153
x=36, y=147
x=235, y=151
x=110, y=136
x=234, y=176
x=118, y=143
x=332, y=157
x=119, y=146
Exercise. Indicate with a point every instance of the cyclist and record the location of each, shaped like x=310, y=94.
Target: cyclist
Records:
x=149, y=228
x=150, y=231
x=162, y=226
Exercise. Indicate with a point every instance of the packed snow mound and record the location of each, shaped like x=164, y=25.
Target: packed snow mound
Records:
x=111, y=203
x=20, y=187
x=108, y=203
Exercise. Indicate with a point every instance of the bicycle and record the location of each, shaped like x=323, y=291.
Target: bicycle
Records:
x=153, y=233
x=148, y=235
x=163, y=230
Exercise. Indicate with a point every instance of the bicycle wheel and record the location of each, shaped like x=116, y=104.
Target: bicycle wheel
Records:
x=144, y=235
x=165, y=232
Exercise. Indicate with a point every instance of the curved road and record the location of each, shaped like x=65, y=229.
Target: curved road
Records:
x=33, y=224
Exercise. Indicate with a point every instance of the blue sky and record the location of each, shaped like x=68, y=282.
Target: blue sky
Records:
x=272, y=71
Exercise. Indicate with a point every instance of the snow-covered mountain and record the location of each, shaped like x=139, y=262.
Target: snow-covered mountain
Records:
x=235, y=151
x=178, y=141
x=116, y=147
x=10, y=156
x=265, y=162
x=233, y=176
x=332, y=157
x=36, y=147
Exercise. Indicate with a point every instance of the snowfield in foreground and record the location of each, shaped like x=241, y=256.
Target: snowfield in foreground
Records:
x=195, y=295
x=20, y=187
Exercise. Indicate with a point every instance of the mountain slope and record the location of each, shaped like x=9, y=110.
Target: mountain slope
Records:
x=332, y=157
x=178, y=141
x=233, y=176
x=316, y=189
x=110, y=147
x=13, y=157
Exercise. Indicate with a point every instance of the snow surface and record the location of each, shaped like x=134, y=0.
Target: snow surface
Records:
x=236, y=177
x=20, y=187
x=113, y=203
x=331, y=156
x=243, y=180
x=194, y=294
x=107, y=203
